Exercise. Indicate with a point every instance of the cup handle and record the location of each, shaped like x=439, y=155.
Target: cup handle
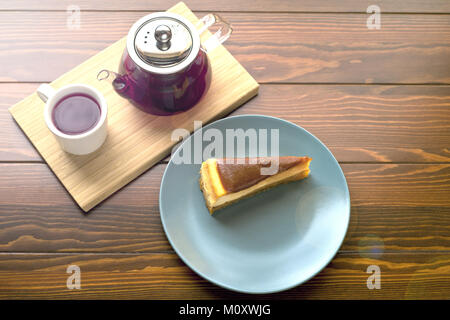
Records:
x=45, y=92
x=221, y=35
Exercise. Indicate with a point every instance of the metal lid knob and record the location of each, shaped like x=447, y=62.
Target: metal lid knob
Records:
x=163, y=34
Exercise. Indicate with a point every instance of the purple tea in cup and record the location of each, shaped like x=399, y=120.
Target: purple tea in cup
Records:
x=76, y=113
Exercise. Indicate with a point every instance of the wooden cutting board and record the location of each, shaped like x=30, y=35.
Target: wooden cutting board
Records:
x=136, y=140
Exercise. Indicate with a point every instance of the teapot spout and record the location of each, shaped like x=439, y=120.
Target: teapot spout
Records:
x=119, y=82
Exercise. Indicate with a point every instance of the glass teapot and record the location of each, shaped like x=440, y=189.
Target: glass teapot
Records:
x=164, y=68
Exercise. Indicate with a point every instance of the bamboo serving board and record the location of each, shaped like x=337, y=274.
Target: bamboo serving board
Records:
x=136, y=140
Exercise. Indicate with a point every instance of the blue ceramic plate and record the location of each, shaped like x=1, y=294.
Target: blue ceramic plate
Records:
x=270, y=242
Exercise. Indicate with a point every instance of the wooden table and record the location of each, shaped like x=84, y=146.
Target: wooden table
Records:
x=379, y=99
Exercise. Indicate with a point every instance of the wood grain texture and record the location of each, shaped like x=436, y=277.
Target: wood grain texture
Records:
x=394, y=208
x=273, y=47
x=357, y=123
x=136, y=140
x=164, y=276
x=366, y=123
x=14, y=145
x=430, y=6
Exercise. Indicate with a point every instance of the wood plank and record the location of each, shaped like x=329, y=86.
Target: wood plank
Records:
x=366, y=123
x=136, y=141
x=358, y=123
x=51, y=222
x=394, y=208
x=278, y=47
x=15, y=146
x=164, y=276
x=430, y=6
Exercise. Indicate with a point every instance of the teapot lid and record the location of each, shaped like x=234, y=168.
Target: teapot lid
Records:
x=163, y=42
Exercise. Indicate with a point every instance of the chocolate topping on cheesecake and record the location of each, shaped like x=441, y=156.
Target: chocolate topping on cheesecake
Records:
x=243, y=173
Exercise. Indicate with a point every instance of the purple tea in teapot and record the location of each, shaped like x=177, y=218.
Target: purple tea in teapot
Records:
x=164, y=69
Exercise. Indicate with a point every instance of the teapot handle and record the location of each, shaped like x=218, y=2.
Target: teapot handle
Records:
x=220, y=36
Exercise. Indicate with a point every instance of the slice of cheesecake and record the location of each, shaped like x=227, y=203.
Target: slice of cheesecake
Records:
x=225, y=181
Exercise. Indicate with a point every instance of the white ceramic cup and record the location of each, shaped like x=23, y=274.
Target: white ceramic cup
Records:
x=82, y=143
